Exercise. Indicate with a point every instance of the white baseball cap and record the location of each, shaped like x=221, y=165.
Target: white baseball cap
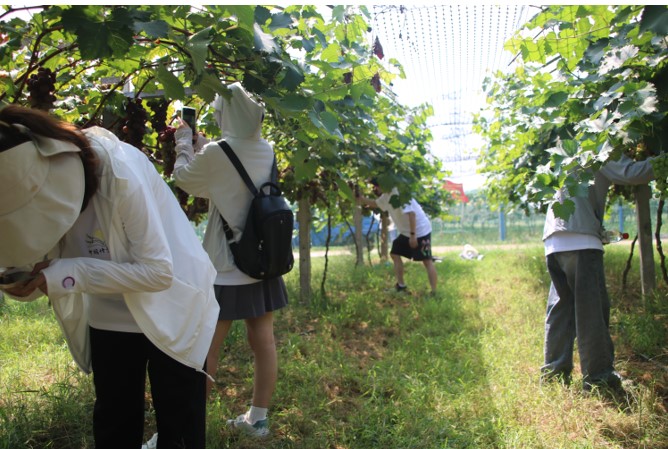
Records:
x=41, y=192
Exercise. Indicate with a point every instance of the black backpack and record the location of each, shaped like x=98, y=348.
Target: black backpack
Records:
x=265, y=248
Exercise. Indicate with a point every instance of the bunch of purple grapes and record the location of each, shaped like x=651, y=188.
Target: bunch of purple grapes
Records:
x=375, y=82
x=134, y=126
x=167, y=134
x=42, y=87
x=159, y=117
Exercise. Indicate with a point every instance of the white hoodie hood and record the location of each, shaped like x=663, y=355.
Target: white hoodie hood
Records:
x=240, y=116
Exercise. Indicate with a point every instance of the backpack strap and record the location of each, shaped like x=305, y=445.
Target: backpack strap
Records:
x=244, y=176
x=238, y=165
x=274, y=172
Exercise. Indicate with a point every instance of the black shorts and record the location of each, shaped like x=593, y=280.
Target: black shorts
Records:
x=402, y=247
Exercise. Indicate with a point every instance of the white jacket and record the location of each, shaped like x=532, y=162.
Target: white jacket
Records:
x=210, y=174
x=157, y=262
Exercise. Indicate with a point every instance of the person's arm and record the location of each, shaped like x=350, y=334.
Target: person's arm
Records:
x=191, y=170
x=366, y=201
x=148, y=267
x=200, y=142
x=626, y=171
x=184, y=140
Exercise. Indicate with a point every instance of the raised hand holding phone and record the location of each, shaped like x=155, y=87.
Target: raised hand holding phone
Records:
x=189, y=116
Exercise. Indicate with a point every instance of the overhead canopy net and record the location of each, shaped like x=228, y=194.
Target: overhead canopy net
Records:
x=446, y=52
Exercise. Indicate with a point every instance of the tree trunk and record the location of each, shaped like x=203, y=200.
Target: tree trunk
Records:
x=304, y=220
x=368, y=239
x=323, y=292
x=359, y=236
x=384, y=237
x=657, y=237
x=645, y=249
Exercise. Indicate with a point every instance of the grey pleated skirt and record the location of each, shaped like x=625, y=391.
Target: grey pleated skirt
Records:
x=238, y=302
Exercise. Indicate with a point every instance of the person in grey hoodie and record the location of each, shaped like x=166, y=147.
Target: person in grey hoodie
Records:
x=578, y=305
x=210, y=174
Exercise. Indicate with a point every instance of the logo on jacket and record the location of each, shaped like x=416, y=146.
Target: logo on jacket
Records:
x=96, y=244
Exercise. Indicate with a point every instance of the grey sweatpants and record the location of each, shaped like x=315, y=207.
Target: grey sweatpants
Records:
x=578, y=307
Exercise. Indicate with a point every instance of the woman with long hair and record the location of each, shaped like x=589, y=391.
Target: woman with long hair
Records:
x=98, y=231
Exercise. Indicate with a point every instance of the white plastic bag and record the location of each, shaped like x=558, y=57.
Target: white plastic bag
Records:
x=470, y=253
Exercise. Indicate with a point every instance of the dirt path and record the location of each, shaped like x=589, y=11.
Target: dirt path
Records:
x=437, y=250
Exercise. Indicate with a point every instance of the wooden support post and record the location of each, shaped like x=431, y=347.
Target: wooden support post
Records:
x=643, y=194
x=502, y=223
x=304, y=220
x=359, y=236
x=384, y=237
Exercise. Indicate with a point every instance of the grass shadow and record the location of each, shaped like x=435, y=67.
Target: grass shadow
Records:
x=385, y=369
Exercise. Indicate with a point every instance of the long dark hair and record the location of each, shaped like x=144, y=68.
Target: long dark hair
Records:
x=43, y=124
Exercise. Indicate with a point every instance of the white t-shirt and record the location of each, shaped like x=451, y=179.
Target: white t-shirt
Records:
x=571, y=241
x=85, y=239
x=400, y=218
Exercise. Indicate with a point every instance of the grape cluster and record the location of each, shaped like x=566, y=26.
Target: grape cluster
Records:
x=167, y=134
x=159, y=116
x=167, y=151
x=375, y=82
x=134, y=125
x=660, y=167
x=378, y=49
x=42, y=87
x=318, y=187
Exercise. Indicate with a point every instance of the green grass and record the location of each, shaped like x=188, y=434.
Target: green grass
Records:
x=368, y=368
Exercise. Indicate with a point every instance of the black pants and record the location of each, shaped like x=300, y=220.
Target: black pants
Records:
x=120, y=362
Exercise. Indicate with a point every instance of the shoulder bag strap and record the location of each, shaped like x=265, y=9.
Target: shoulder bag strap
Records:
x=244, y=176
x=238, y=165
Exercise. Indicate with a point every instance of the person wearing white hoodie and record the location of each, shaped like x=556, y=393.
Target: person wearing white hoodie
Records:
x=101, y=234
x=209, y=173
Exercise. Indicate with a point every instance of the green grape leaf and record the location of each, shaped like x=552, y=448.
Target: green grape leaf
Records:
x=99, y=36
x=264, y=42
x=344, y=189
x=280, y=20
x=173, y=86
x=293, y=76
x=208, y=86
x=295, y=102
x=198, y=47
x=153, y=29
x=655, y=19
x=563, y=209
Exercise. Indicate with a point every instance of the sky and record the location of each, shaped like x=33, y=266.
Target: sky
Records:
x=446, y=50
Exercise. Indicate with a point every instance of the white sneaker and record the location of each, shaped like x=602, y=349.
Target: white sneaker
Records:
x=152, y=443
x=259, y=429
